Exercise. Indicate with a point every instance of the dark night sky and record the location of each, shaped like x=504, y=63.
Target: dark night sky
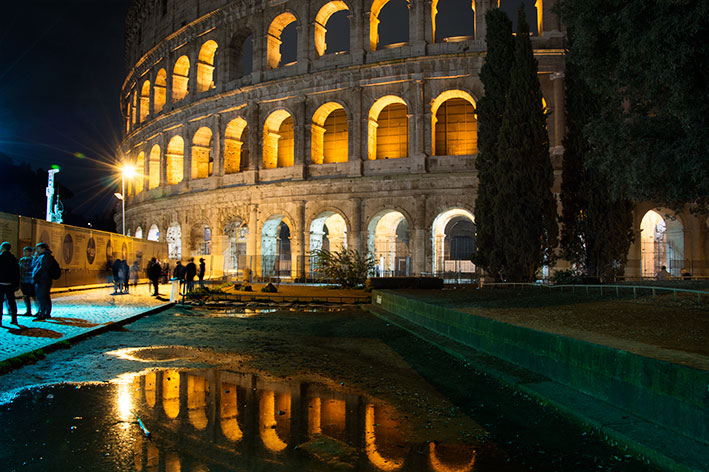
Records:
x=62, y=66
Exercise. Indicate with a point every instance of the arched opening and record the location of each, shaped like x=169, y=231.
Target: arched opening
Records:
x=662, y=244
x=202, y=160
x=388, y=129
x=140, y=172
x=153, y=233
x=171, y=393
x=144, y=100
x=328, y=231
x=134, y=106
x=201, y=240
x=453, y=237
x=236, y=258
x=451, y=457
x=174, y=241
x=236, y=146
x=382, y=433
x=278, y=140
x=180, y=78
x=337, y=38
x=128, y=115
x=394, y=16
x=274, y=421
x=197, y=392
x=160, y=91
x=205, y=66
x=229, y=411
x=241, y=54
x=532, y=10
x=280, y=44
x=276, y=260
x=154, y=167
x=175, y=160
x=388, y=241
x=454, y=124
x=139, y=233
x=453, y=20
x=329, y=138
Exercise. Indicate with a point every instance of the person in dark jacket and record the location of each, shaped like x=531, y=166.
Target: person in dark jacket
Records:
x=154, y=273
x=179, y=274
x=42, y=279
x=26, y=284
x=115, y=271
x=200, y=273
x=9, y=280
x=190, y=273
x=123, y=274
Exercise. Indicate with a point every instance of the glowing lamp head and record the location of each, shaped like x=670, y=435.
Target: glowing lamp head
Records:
x=128, y=171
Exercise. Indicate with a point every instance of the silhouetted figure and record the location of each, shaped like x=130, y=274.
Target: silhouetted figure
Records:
x=26, y=284
x=42, y=279
x=9, y=280
x=190, y=273
x=201, y=272
x=154, y=274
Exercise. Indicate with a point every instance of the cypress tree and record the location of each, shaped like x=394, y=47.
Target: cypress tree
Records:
x=525, y=208
x=495, y=76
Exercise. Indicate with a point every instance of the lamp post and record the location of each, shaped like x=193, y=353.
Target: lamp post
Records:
x=126, y=171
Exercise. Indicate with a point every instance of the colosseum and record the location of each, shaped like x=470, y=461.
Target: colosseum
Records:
x=265, y=130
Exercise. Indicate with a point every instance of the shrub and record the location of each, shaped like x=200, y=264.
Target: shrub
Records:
x=346, y=267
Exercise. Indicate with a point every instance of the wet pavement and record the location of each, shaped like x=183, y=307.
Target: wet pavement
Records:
x=74, y=314
x=231, y=389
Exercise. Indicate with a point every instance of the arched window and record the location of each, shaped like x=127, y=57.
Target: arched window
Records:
x=202, y=160
x=241, y=53
x=236, y=146
x=278, y=140
x=274, y=39
x=134, y=105
x=180, y=79
x=144, y=100
x=453, y=20
x=205, y=66
x=154, y=167
x=140, y=172
x=329, y=140
x=388, y=136
x=336, y=11
x=395, y=16
x=175, y=160
x=454, y=124
x=532, y=10
x=159, y=91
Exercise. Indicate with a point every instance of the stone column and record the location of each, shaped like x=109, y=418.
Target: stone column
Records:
x=252, y=242
x=300, y=129
x=420, y=256
x=187, y=157
x=163, y=160
x=417, y=26
x=357, y=49
x=355, y=231
x=217, y=146
x=300, y=232
x=428, y=32
x=354, y=128
x=557, y=79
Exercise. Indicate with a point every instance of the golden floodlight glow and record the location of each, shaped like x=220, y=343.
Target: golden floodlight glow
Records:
x=128, y=170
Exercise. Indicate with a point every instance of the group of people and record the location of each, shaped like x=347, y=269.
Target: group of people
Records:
x=33, y=274
x=123, y=276
x=185, y=274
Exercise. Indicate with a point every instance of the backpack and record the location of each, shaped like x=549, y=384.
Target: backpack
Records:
x=54, y=270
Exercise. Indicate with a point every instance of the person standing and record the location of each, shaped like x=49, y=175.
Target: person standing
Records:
x=190, y=273
x=179, y=274
x=9, y=280
x=134, y=270
x=42, y=280
x=154, y=274
x=200, y=273
x=115, y=272
x=123, y=273
x=26, y=284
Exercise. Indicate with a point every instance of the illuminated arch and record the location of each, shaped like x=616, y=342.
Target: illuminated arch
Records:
x=377, y=6
x=154, y=233
x=449, y=242
x=329, y=135
x=471, y=22
x=160, y=91
x=134, y=106
x=457, y=451
x=205, y=66
x=236, y=148
x=173, y=238
x=278, y=140
x=662, y=243
x=235, y=256
x=373, y=422
x=202, y=160
x=180, y=78
x=273, y=39
x=171, y=393
x=174, y=158
x=328, y=231
x=154, y=167
x=139, y=233
x=197, y=391
x=388, y=136
x=139, y=172
x=321, y=20
x=144, y=100
x=150, y=390
x=272, y=426
x=276, y=254
x=229, y=413
x=388, y=241
x=454, y=129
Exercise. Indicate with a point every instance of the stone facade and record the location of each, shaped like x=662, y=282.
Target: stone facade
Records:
x=241, y=147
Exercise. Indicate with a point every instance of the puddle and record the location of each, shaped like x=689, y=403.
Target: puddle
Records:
x=240, y=312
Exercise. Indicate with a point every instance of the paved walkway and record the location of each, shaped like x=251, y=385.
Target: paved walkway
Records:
x=75, y=314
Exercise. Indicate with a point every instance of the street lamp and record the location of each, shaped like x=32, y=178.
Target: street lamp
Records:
x=128, y=170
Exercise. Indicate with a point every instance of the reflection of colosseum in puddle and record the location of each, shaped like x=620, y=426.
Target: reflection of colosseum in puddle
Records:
x=234, y=417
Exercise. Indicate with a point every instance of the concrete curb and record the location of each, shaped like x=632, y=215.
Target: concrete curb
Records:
x=648, y=441
x=61, y=343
